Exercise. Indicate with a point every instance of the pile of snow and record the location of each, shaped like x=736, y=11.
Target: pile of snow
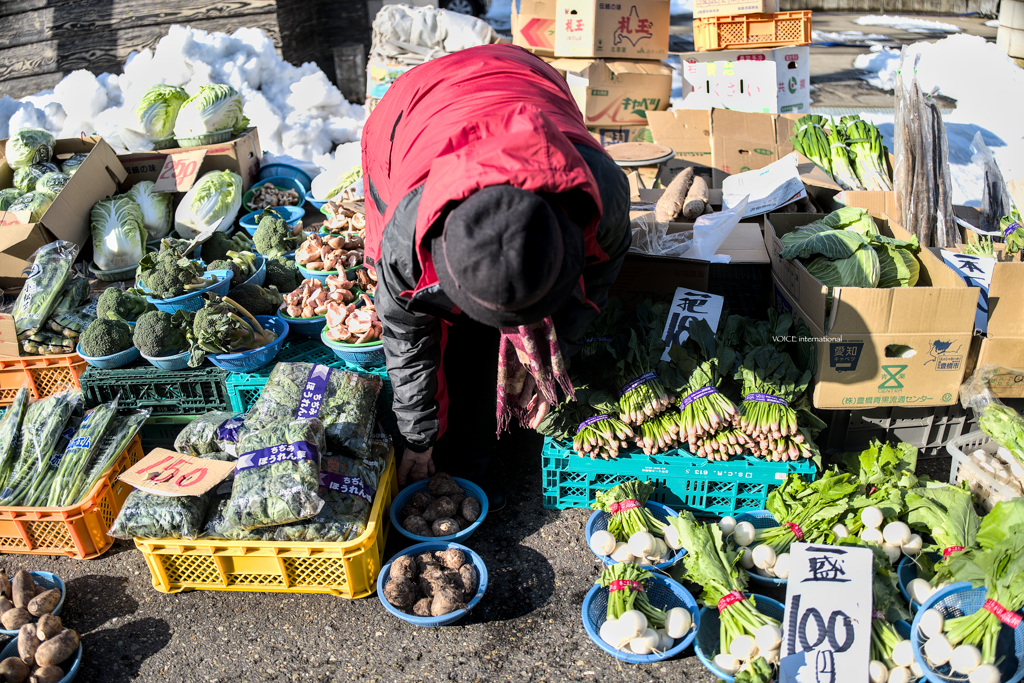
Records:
x=989, y=91
x=297, y=110
x=993, y=23
x=909, y=24
x=847, y=38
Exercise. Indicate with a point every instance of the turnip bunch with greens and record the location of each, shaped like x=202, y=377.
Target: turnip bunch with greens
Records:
x=627, y=505
x=641, y=393
x=946, y=514
x=632, y=623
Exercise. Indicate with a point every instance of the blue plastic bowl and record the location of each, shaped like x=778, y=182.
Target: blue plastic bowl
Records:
x=320, y=275
x=250, y=361
x=761, y=519
x=178, y=361
x=906, y=571
x=292, y=215
x=662, y=593
x=307, y=327
x=599, y=522
x=193, y=301
x=958, y=600
x=709, y=632
x=11, y=650
x=111, y=362
x=281, y=183
x=273, y=171
x=315, y=203
x=471, y=489
x=260, y=276
x=47, y=581
x=369, y=355
x=451, y=618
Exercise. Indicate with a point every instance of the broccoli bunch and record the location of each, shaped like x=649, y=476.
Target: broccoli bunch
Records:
x=222, y=326
x=168, y=275
x=114, y=304
x=105, y=337
x=158, y=333
x=273, y=236
x=282, y=274
x=257, y=300
x=217, y=247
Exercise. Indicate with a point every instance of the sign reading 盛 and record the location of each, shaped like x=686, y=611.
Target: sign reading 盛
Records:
x=827, y=629
x=166, y=473
x=689, y=305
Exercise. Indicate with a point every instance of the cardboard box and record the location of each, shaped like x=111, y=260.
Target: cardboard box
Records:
x=722, y=8
x=876, y=347
x=533, y=25
x=742, y=141
x=380, y=74
x=613, y=135
x=687, y=131
x=241, y=155
x=617, y=93
x=771, y=81
x=624, y=29
x=100, y=176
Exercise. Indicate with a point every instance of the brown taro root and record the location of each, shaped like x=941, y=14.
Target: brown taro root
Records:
x=446, y=600
x=433, y=574
x=13, y=670
x=14, y=619
x=670, y=204
x=421, y=499
x=404, y=567
x=426, y=588
x=470, y=581
x=27, y=644
x=23, y=588
x=453, y=558
x=417, y=525
x=457, y=498
x=442, y=484
x=44, y=602
x=401, y=593
x=47, y=674
x=410, y=510
x=422, y=607
x=471, y=509
x=5, y=585
x=696, y=199
x=5, y=605
x=439, y=509
x=425, y=560
x=48, y=626
x=454, y=579
x=445, y=527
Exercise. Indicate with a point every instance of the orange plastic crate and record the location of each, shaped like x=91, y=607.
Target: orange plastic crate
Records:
x=43, y=375
x=79, y=531
x=752, y=31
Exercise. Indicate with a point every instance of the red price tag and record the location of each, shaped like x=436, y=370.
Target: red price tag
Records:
x=179, y=171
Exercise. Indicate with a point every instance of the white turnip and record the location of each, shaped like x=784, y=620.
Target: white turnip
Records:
x=912, y=548
x=646, y=643
x=900, y=674
x=743, y=648
x=603, y=543
x=840, y=531
x=610, y=632
x=903, y=654
x=727, y=525
x=764, y=556
x=965, y=659
x=877, y=671
x=781, y=568
x=871, y=535
x=893, y=552
x=919, y=590
x=641, y=544
x=744, y=534
x=678, y=622
x=768, y=637
x=986, y=673
x=632, y=624
x=931, y=623
x=622, y=554
x=727, y=664
x=747, y=560
x=872, y=517
x=938, y=649
x=896, y=533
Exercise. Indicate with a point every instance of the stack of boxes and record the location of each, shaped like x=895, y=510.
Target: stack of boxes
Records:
x=610, y=53
x=766, y=67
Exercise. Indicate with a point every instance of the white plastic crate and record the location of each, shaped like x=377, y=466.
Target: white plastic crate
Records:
x=986, y=489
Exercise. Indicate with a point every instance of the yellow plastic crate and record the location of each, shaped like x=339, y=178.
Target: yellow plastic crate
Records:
x=348, y=569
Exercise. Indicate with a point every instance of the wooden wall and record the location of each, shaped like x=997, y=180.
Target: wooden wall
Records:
x=42, y=40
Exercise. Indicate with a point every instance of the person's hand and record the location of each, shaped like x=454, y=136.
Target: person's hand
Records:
x=415, y=466
x=539, y=409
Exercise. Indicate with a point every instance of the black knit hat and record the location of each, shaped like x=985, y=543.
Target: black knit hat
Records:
x=507, y=257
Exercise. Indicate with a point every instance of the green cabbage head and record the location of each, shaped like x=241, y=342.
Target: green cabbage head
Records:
x=156, y=209
x=214, y=198
x=157, y=111
x=25, y=178
x=118, y=235
x=36, y=202
x=52, y=183
x=214, y=108
x=8, y=196
x=29, y=146
x=71, y=164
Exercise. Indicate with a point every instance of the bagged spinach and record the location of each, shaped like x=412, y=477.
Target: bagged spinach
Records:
x=213, y=432
x=146, y=515
x=345, y=401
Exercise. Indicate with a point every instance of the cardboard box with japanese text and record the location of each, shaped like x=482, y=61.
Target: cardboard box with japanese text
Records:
x=874, y=347
x=686, y=131
x=622, y=29
x=724, y=8
x=744, y=141
x=67, y=218
x=533, y=25
x=772, y=81
x=613, y=135
x=614, y=93
x=241, y=156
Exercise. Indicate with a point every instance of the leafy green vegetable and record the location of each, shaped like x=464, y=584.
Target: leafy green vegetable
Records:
x=620, y=601
x=73, y=163
x=947, y=514
x=814, y=508
x=10, y=428
x=52, y=183
x=221, y=326
x=41, y=430
x=157, y=216
x=213, y=432
x=51, y=269
x=29, y=146
x=842, y=171
x=79, y=454
x=622, y=524
x=157, y=111
x=122, y=430
x=146, y=515
x=868, y=153
x=25, y=178
x=213, y=202
x=36, y=203
x=8, y=195
x=214, y=108
x=118, y=233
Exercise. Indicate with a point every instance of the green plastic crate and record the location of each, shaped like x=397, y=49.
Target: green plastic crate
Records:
x=160, y=432
x=165, y=392
x=681, y=480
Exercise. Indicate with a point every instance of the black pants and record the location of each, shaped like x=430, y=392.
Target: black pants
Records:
x=471, y=371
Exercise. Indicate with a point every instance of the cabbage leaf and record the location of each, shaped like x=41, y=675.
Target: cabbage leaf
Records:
x=215, y=198
x=118, y=234
x=818, y=239
x=52, y=183
x=35, y=202
x=156, y=209
x=214, y=108
x=157, y=111
x=29, y=146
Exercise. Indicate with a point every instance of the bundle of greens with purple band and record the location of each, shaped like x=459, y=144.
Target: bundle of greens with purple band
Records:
x=771, y=385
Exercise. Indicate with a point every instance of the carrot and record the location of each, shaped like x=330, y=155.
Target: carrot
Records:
x=671, y=202
x=696, y=199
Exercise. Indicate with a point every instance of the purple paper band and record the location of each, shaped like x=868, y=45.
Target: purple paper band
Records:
x=598, y=339
x=767, y=398
x=1011, y=228
x=642, y=379
x=589, y=421
x=313, y=393
x=295, y=452
x=228, y=429
x=339, y=483
x=694, y=395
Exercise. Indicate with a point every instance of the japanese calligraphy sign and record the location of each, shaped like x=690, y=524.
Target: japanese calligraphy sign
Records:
x=688, y=305
x=976, y=272
x=264, y=457
x=313, y=393
x=354, y=486
x=827, y=628
x=166, y=473
x=179, y=171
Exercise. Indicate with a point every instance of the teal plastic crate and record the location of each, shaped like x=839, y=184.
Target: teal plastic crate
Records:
x=192, y=391
x=681, y=480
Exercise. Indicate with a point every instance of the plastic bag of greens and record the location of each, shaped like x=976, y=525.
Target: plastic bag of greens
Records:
x=10, y=429
x=73, y=163
x=216, y=524
x=277, y=476
x=146, y=515
x=346, y=402
x=51, y=269
x=29, y=146
x=74, y=462
x=122, y=430
x=36, y=203
x=52, y=183
x=8, y=196
x=995, y=418
x=25, y=179
x=213, y=432
x=43, y=432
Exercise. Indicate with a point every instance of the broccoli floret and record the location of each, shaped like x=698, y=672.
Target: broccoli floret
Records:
x=282, y=274
x=273, y=236
x=117, y=305
x=105, y=337
x=221, y=326
x=227, y=264
x=171, y=276
x=161, y=334
x=257, y=300
x=217, y=247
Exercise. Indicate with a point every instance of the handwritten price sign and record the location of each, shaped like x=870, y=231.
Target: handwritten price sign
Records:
x=179, y=171
x=167, y=473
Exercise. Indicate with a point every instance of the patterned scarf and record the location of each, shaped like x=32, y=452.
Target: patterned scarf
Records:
x=537, y=356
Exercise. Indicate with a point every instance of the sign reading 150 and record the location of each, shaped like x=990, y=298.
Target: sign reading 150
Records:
x=173, y=472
